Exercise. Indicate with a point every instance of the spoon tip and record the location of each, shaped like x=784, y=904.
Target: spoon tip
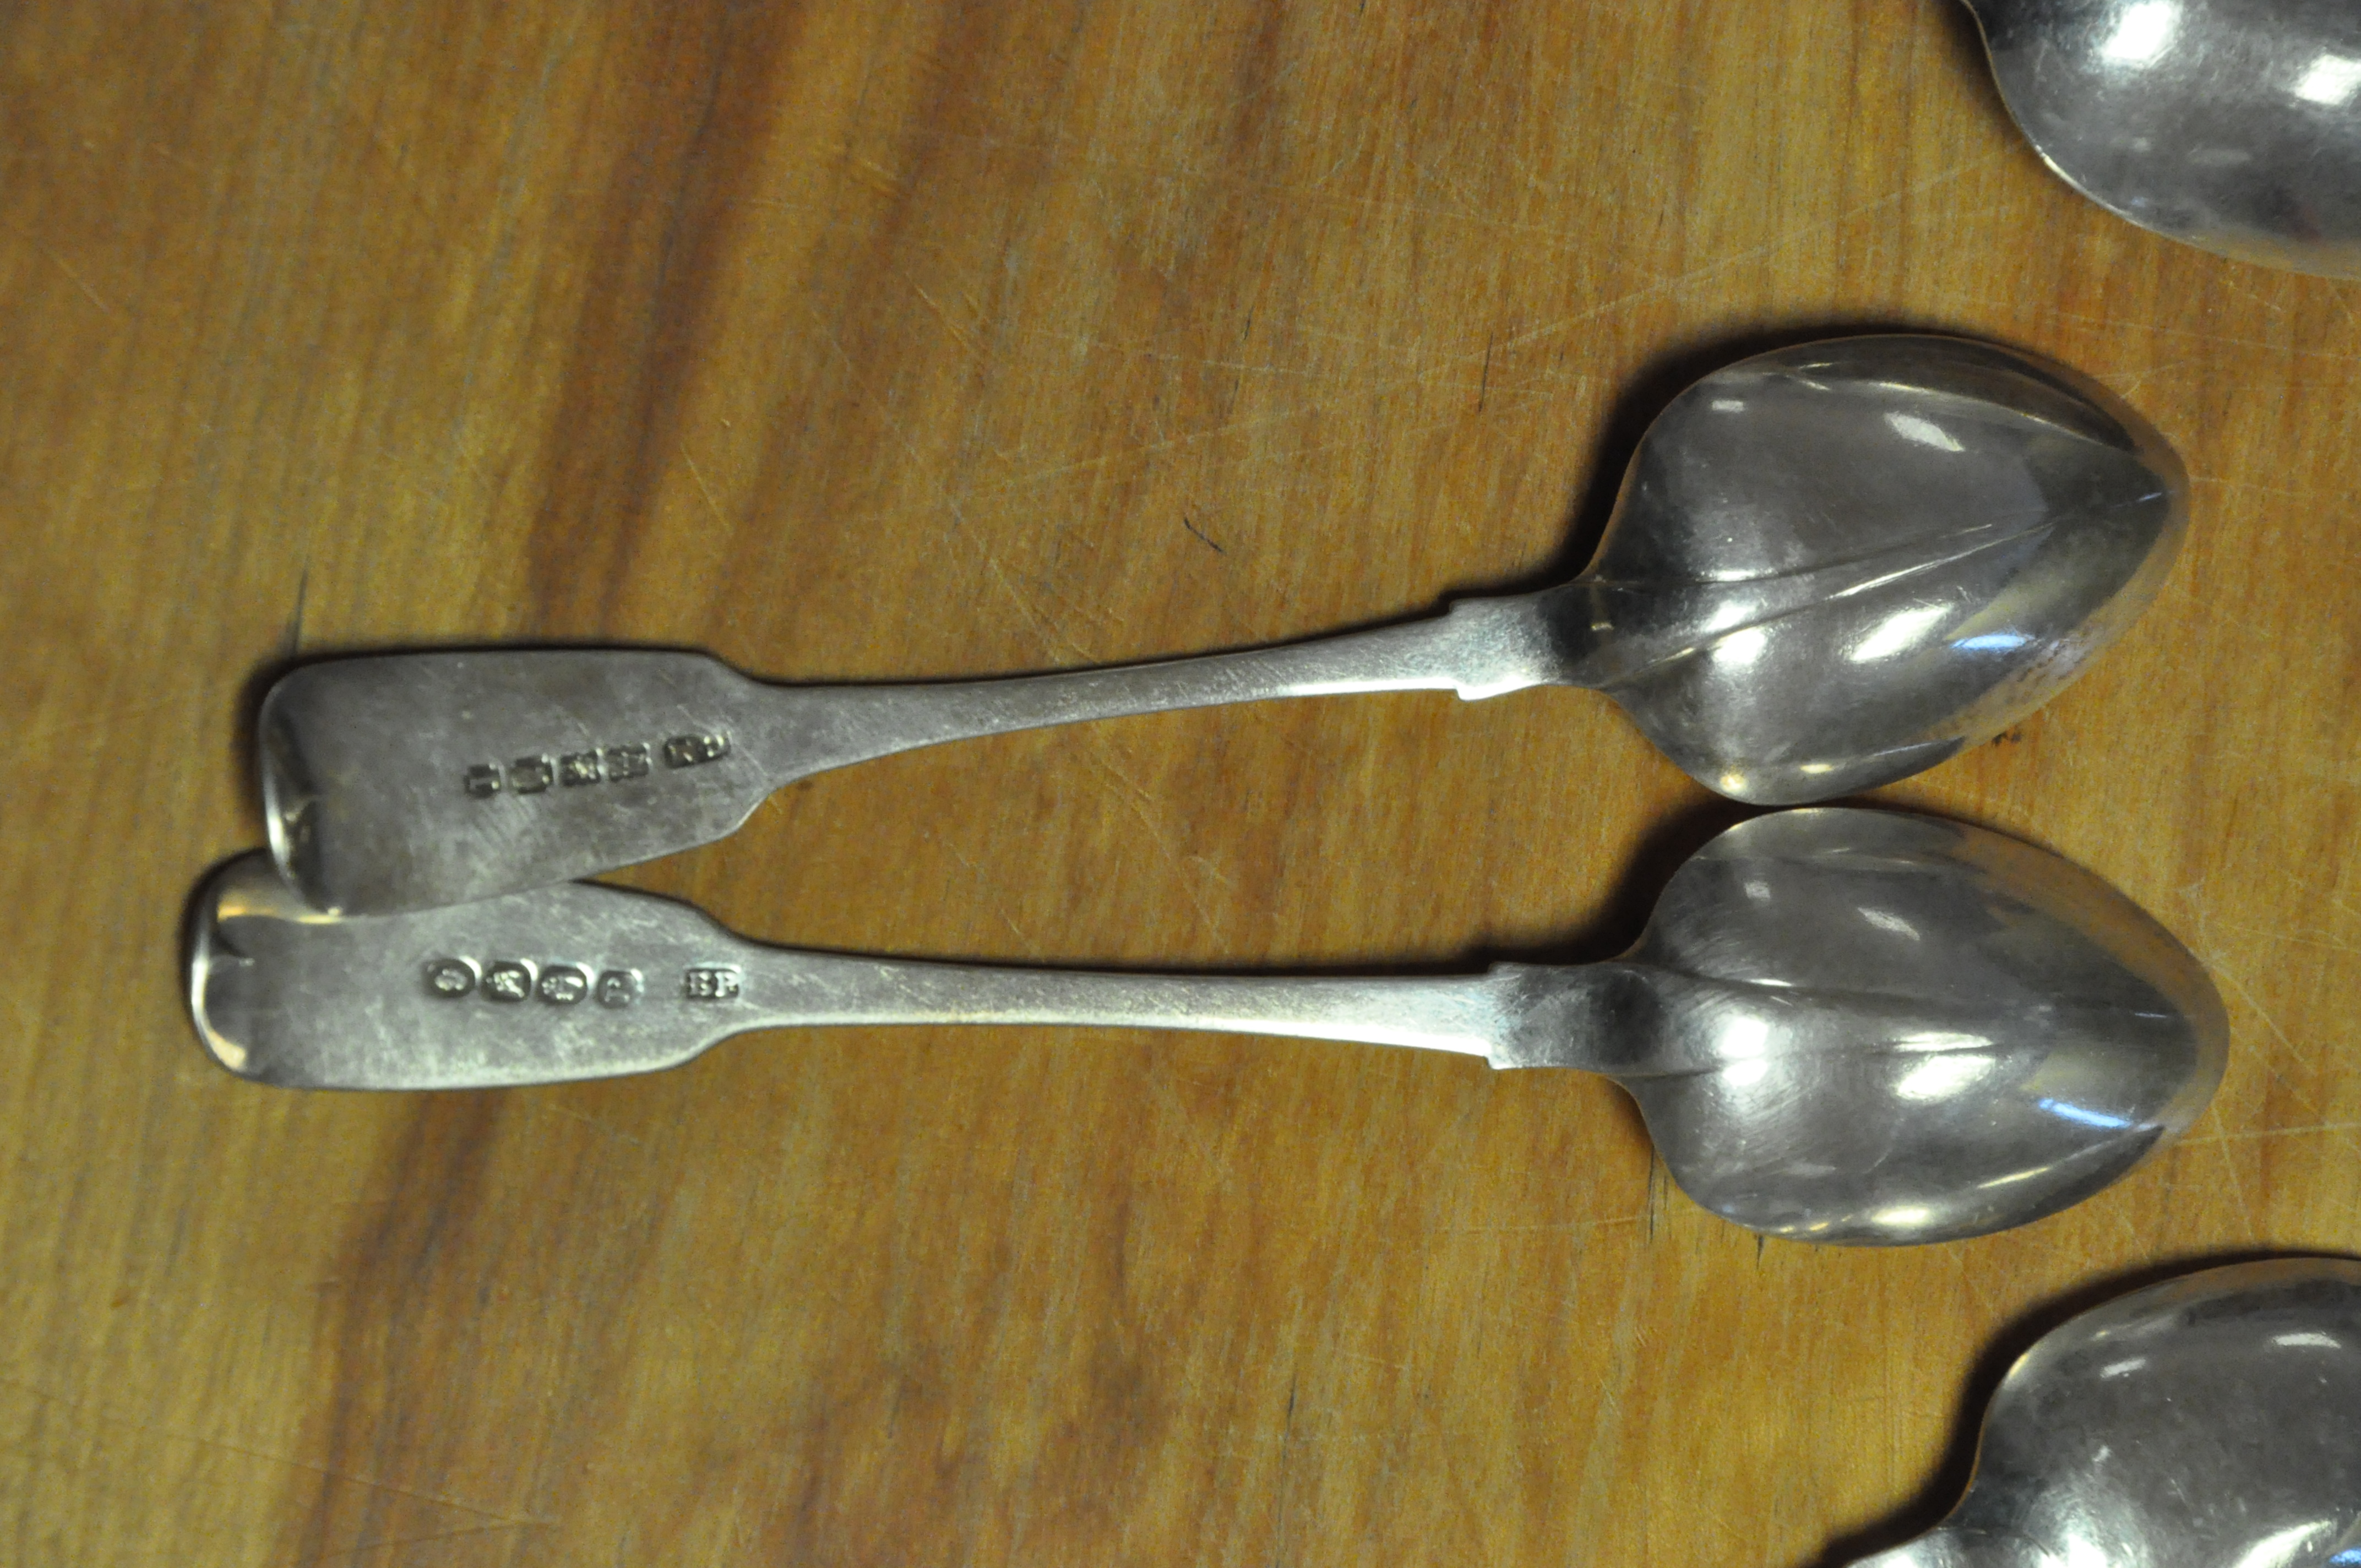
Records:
x=209, y=956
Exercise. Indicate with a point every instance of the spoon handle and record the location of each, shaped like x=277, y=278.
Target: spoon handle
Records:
x=781, y=987
x=1480, y=648
x=582, y=982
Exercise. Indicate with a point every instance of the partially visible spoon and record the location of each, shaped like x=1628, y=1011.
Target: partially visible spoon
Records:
x=2212, y=1421
x=1829, y=567
x=2234, y=125
x=1841, y=1026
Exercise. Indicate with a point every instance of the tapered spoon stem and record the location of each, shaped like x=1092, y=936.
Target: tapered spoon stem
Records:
x=1464, y=1013
x=1481, y=647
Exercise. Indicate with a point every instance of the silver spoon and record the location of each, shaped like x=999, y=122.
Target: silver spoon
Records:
x=1829, y=567
x=1841, y=1026
x=2234, y=125
x=2212, y=1421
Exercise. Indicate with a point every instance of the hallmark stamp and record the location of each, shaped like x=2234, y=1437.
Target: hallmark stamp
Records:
x=710, y=982
x=563, y=984
x=689, y=750
x=507, y=981
x=517, y=980
x=599, y=764
x=450, y=977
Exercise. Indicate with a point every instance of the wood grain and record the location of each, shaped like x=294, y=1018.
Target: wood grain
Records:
x=902, y=338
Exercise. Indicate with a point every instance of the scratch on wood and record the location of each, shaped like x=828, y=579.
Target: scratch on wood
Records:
x=697, y=475
x=2247, y=995
x=60, y=263
x=960, y=335
x=2298, y=938
x=592, y=1123
x=1051, y=634
x=1569, y=1227
x=2238, y=1191
x=295, y=620
x=141, y=1424
x=2250, y=485
x=2209, y=953
x=1309, y=195
x=1136, y=799
x=1088, y=344
x=390, y=1542
x=1032, y=945
x=2273, y=1132
x=2292, y=351
x=1159, y=1084
x=1286, y=1431
x=2278, y=311
x=1457, y=363
x=1200, y=533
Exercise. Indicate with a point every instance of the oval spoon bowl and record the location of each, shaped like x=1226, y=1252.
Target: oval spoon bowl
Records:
x=2231, y=125
x=2211, y=1421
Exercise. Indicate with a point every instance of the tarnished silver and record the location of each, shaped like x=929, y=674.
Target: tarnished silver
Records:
x=2212, y=1421
x=1841, y=1026
x=1829, y=567
x=2234, y=125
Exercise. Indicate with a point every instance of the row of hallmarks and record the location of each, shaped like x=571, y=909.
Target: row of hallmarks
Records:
x=532, y=775
x=564, y=986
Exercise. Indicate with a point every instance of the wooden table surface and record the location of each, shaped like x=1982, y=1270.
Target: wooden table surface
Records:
x=893, y=338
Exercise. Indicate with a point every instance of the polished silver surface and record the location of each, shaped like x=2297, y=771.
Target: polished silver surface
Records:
x=2234, y=125
x=1841, y=1026
x=2212, y=1421
x=1829, y=567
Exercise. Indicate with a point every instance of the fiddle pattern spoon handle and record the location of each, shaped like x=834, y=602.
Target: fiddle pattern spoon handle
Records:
x=586, y=981
x=447, y=777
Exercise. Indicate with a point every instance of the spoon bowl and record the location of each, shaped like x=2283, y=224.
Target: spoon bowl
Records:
x=2232, y=125
x=1910, y=1030
x=1840, y=1025
x=2212, y=1421
x=1830, y=567
x=1835, y=565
